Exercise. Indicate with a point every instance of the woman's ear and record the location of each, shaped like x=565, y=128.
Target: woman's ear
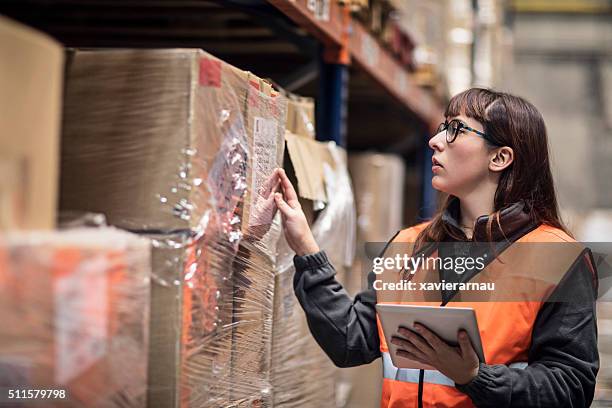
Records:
x=501, y=158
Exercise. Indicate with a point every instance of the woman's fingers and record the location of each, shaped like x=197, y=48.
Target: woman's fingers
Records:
x=467, y=350
x=276, y=186
x=406, y=354
x=416, y=340
x=288, y=190
x=408, y=348
x=282, y=205
x=431, y=338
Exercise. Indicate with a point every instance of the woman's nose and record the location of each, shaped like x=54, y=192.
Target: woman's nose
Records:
x=437, y=141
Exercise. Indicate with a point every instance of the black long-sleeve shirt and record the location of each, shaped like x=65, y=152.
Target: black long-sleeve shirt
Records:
x=563, y=358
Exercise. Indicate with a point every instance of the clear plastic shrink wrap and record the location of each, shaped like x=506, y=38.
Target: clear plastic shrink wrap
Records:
x=302, y=375
x=179, y=146
x=74, y=307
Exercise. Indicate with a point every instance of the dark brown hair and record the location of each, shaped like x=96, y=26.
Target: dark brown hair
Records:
x=510, y=121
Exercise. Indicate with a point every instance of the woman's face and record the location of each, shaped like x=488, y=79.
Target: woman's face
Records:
x=458, y=168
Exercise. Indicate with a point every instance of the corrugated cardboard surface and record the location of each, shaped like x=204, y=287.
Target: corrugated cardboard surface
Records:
x=301, y=116
x=31, y=78
x=189, y=357
x=133, y=143
x=253, y=278
x=308, y=158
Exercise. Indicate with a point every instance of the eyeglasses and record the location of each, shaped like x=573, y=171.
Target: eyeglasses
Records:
x=455, y=126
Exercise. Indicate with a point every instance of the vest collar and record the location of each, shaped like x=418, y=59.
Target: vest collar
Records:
x=513, y=219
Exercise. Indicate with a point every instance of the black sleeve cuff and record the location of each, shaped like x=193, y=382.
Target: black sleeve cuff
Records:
x=311, y=261
x=479, y=383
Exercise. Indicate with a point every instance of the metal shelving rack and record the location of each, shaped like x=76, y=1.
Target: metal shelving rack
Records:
x=345, y=40
x=285, y=35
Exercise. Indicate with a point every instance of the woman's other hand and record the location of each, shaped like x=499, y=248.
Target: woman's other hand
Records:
x=296, y=228
x=460, y=364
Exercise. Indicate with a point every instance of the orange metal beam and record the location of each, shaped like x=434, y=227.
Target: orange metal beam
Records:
x=346, y=39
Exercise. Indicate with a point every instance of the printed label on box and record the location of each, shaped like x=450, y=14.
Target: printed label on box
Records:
x=81, y=318
x=264, y=158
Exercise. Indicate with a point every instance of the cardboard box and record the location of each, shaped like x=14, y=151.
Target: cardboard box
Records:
x=309, y=159
x=175, y=121
x=253, y=279
x=254, y=265
x=31, y=76
x=214, y=322
x=156, y=140
x=75, y=310
x=301, y=116
x=191, y=323
x=253, y=268
x=308, y=206
x=378, y=180
x=138, y=144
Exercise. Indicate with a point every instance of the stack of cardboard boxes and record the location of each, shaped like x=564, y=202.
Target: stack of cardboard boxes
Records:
x=74, y=305
x=194, y=306
x=180, y=146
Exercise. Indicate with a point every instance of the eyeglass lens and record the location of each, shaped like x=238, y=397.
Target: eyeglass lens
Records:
x=452, y=129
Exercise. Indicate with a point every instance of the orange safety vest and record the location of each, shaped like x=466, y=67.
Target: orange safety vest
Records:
x=505, y=319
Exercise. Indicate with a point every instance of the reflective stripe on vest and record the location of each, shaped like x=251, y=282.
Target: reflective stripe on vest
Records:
x=411, y=375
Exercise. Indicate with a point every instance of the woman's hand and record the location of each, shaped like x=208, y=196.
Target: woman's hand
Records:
x=297, y=232
x=460, y=364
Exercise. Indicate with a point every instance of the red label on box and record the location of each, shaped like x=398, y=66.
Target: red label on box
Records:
x=210, y=72
x=254, y=84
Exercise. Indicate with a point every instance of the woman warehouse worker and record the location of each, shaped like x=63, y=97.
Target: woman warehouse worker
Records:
x=490, y=157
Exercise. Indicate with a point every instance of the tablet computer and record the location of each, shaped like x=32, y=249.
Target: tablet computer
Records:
x=444, y=321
